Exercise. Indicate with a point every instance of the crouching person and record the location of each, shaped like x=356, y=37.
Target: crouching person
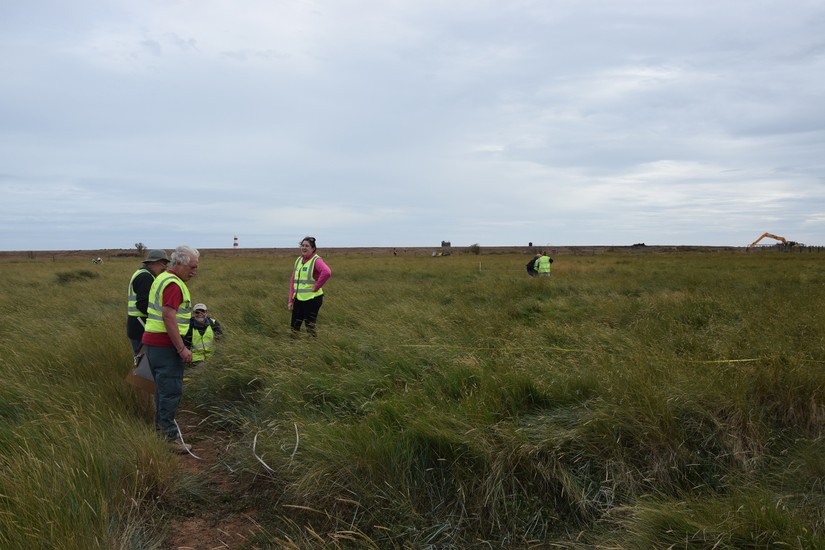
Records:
x=203, y=332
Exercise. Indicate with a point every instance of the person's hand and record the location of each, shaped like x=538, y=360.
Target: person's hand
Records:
x=289, y=306
x=185, y=355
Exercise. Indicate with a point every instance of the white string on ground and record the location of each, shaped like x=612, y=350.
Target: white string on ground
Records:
x=297, y=439
x=183, y=443
x=265, y=465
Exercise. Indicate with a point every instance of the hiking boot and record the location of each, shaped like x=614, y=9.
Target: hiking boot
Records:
x=180, y=448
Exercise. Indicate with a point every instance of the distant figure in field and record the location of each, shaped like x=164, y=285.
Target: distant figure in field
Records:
x=97, y=260
x=203, y=332
x=170, y=308
x=542, y=264
x=531, y=265
x=138, y=295
x=306, y=294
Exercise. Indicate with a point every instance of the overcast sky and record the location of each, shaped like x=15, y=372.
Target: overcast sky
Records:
x=408, y=122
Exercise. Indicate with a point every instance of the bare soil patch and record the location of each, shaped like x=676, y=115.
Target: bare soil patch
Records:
x=220, y=524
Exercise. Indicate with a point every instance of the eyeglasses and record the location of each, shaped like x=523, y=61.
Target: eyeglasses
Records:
x=200, y=312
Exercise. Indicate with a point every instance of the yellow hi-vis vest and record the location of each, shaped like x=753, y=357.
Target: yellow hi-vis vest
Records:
x=155, y=321
x=131, y=307
x=543, y=264
x=304, y=281
x=202, y=343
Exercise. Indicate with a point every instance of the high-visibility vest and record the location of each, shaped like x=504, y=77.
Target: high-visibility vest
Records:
x=543, y=264
x=155, y=321
x=304, y=281
x=202, y=344
x=131, y=307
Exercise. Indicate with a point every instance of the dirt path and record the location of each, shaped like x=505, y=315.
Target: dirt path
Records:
x=224, y=522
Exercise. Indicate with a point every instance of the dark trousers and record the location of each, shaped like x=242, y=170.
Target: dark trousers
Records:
x=167, y=369
x=306, y=311
x=135, y=345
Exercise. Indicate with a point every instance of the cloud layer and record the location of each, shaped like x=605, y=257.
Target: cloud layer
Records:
x=377, y=123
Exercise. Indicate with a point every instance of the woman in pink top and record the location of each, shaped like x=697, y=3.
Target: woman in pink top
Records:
x=305, y=287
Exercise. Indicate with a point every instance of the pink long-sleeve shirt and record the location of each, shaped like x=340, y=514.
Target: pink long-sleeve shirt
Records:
x=321, y=272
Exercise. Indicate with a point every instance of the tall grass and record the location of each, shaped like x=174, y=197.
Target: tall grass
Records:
x=80, y=466
x=627, y=401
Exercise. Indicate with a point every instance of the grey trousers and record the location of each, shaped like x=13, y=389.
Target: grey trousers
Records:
x=167, y=369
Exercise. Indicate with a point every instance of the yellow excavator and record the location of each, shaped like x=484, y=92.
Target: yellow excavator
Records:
x=785, y=242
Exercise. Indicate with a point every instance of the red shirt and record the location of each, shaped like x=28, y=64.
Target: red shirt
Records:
x=172, y=297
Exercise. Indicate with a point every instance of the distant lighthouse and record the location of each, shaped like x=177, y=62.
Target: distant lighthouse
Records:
x=235, y=242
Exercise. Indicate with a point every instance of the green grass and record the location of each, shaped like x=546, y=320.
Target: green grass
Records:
x=627, y=402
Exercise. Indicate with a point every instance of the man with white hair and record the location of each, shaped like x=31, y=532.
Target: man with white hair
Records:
x=170, y=308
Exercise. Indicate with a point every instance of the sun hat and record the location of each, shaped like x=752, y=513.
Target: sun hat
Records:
x=156, y=256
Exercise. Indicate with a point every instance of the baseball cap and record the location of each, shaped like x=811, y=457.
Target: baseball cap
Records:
x=156, y=256
x=199, y=306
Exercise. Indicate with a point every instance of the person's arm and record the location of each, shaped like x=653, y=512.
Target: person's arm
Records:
x=291, y=290
x=321, y=274
x=216, y=328
x=172, y=300
x=187, y=338
x=141, y=285
x=170, y=321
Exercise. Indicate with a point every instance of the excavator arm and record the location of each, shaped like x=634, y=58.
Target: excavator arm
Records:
x=769, y=236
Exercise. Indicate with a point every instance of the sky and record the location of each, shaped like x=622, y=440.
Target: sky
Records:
x=408, y=122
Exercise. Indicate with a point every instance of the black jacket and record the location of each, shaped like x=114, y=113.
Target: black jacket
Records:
x=142, y=284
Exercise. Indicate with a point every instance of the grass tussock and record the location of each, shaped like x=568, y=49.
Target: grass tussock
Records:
x=71, y=276
x=627, y=401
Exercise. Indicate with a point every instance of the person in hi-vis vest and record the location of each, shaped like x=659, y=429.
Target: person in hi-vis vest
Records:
x=309, y=274
x=542, y=265
x=170, y=308
x=203, y=332
x=138, y=295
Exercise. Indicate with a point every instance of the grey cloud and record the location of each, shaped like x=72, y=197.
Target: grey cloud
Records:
x=622, y=119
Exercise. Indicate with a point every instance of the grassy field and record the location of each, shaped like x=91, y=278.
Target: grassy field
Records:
x=629, y=401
